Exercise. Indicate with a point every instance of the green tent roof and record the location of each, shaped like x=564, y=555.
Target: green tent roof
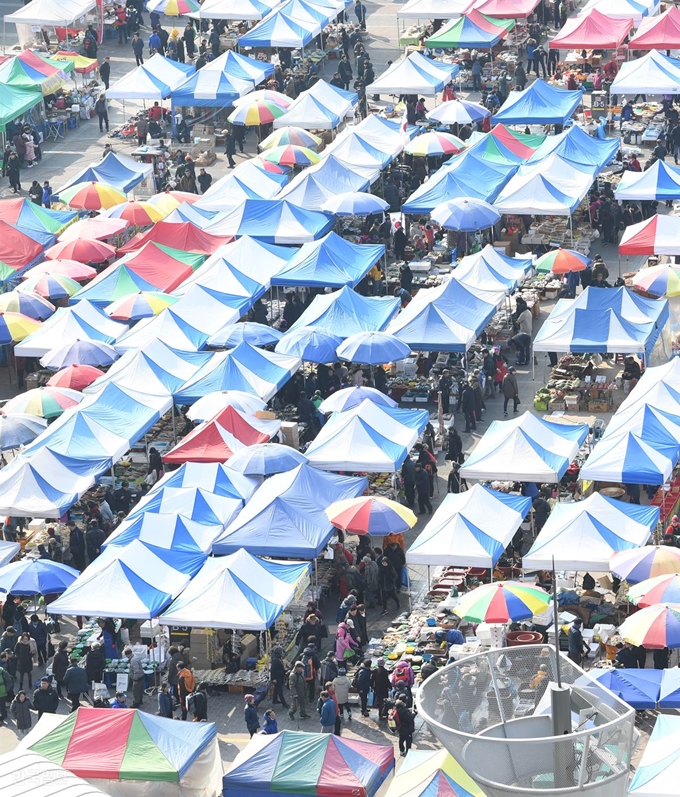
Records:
x=16, y=101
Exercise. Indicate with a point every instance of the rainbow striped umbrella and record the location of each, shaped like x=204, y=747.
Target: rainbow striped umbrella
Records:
x=45, y=402
x=259, y=112
x=26, y=303
x=167, y=201
x=291, y=135
x=290, y=155
x=650, y=561
x=75, y=377
x=68, y=268
x=662, y=589
x=15, y=327
x=655, y=627
x=435, y=143
x=91, y=196
x=502, y=602
x=562, y=261
x=137, y=212
x=144, y=304
x=371, y=515
x=173, y=8
x=83, y=250
x=270, y=95
x=51, y=286
x=268, y=166
x=658, y=280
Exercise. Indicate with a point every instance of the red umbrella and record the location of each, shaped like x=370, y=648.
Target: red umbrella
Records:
x=77, y=377
x=68, y=268
x=94, y=229
x=82, y=250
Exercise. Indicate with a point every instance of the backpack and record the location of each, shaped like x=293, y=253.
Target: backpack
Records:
x=310, y=670
x=393, y=721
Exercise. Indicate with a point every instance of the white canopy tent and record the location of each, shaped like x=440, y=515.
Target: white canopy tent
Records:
x=460, y=534
x=247, y=10
x=413, y=75
x=155, y=79
x=434, y=9
x=49, y=14
x=637, y=10
x=24, y=773
x=583, y=535
x=488, y=270
x=654, y=73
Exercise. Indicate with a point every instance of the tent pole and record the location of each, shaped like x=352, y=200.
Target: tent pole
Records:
x=174, y=427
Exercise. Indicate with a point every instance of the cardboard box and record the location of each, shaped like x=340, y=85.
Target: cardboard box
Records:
x=265, y=415
x=559, y=406
x=598, y=405
x=290, y=434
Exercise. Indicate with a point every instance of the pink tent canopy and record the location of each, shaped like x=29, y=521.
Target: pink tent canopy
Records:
x=658, y=33
x=506, y=9
x=592, y=31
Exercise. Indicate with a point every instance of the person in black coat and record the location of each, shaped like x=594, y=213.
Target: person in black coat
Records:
x=467, y=405
x=94, y=663
x=45, y=699
x=278, y=676
x=423, y=490
x=408, y=474
x=94, y=539
x=455, y=446
x=395, y=553
x=380, y=684
x=405, y=275
x=60, y=665
x=407, y=725
x=76, y=683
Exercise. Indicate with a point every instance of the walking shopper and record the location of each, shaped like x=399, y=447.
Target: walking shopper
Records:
x=406, y=726
x=105, y=72
x=388, y=580
x=21, y=711
x=327, y=717
x=278, y=676
x=341, y=686
x=250, y=715
x=26, y=654
x=510, y=390
x=362, y=681
x=136, y=677
x=423, y=490
x=76, y=683
x=296, y=684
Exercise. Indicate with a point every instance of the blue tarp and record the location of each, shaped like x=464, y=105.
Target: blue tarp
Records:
x=576, y=145
x=639, y=688
x=286, y=516
x=539, y=104
x=117, y=170
x=274, y=221
x=330, y=262
x=345, y=312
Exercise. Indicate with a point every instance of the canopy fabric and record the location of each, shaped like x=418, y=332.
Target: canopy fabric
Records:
x=575, y=145
x=328, y=107
x=330, y=262
x=273, y=221
x=162, y=266
x=119, y=282
x=583, y=535
x=168, y=532
x=415, y=74
x=654, y=73
x=18, y=249
x=506, y=146
x=186, y=237
x=432, y=773
x=592, y=29
x=351, y=150
x=209, y=88
x=113, y=169
x=103, y=745
x=661, y=182
x=214, y=478
x=660, y=32
x=489, y=270
x=669, y=696
x=286, y=516
x=658, y=771
x=30, y=69
x=345, y=312
x=639, y=688
x=245, y=368
x=246, y=181
x=155, y=79
x=526, y=448
x=239, y=591
x=26, y=216
x=459, y=532
x=52, y=14
x=637, y=10
x=367, y=438
x=506, y=9
x=217, y=439
x=20, y=770
x=657, y=235
x=434, y=9
x=628, y=458
x=250, y=10
x=278, y=30
x=541, y=103
x=472, y=30
x=296, y=764
x=316, y=184
x=614, y=321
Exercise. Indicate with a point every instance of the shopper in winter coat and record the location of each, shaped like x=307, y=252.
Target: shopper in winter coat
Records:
x=327, y=718
x=21, y=711
x=329, y=667
x=380, y=684
x=60, y=665
x=406, y=726
x=270, y=726
x=174, y=658
x=38, y=631
x=26, y=654
x=185, y=686
x=45, y=699
x=250, y=715
x=296, y=684
x=362, y=679
x=165, y=701
x=198, y=702
x=76, y=683
x=455, y=446
x=510, y=390
x=387, y=574
x=341, y=686
x=278, y=676
x=95, y=663
x=345, y=646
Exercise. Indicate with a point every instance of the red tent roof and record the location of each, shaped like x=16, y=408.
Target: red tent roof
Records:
x=218, y=439
x=658, y=33
x=159, y=266
x=185, y=236
x=506, y=9
x=17, y=249
x=594, y=30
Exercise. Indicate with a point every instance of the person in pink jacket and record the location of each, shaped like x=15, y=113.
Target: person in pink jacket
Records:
x=345, y=646
x=403, y=674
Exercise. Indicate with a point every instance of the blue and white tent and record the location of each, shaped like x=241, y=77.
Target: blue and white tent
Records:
x=155, y=79
x=575, y=145
x=314, y=185
x=459, y=532
x=211, y=476
x=613, y=321
x=669, y=695
x=583, y=535
x=628, y=458
x=414, y=75
x=367, y=438
x=239, y=591
x=661, y=182
x=278, y=30
x=658, y=773
x=330, y=262
x=526, y=448
x=193, y=503
x=307, y=13
x=286, y=516
x=489, y=270
x=654, y=426
x=245, y=182
x=352, y=149
x=273, y=221
x=211, y=87
x=639, y=688
x=540, y=104
x=167, y=326
x=320, y=107
x=345, y=312
x=234, y=9
x=237, y=65
x=170, y=532
x=197, y=216
x=245, y=368
x=113, y=169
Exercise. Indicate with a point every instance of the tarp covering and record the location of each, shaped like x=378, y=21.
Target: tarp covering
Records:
x=26, y=215
x=51, y=13
x=30, y=69
x=368, y=437
x=278, y=30
x=472, y=30
x=345, y=312
x=217, y=439
x=639, y=688
x=489, y=270
x=155, y=79
x=459, y=532
x=506, y=9
x=662, y=32
x=592, y=30
x=583, y=535
x=162, y=266
x=330, y=262
x=286, y=516
x=658, y=771
x=432, y=773
x=245, y=368
x=246, y=181
x=185, y=237
x=505, y=145
x=18, y=249
x=605, y=321
x=539, y=104
x=119, y=282
x=21, y=770
x=654, y=73
x=434, y=9
x=661, y=182
x=113, y=169
x=669, y=696
x=526, y=448
x=575, y=145
x=239, y=591
x=334, y=103
x=415, y=74
x=273, y=221
x=296, y=764
x=132, y=745
x=657, y=235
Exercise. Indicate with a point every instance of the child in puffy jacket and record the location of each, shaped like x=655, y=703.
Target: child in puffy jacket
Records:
x=345, y=646
x=270, y=724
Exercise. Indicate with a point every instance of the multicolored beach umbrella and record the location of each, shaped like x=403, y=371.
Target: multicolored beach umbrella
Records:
x=102, y=744
x=51, y=286
x=271, y=96
x=290, y=155
x=661, y=589
x=502, y=602
x=562, y=261
x=137, y=212
x=45, y=402
x=91, y=196
x=639, y=564
x=143, y=304
x=435, y=144
x=82, y=250
x=371, y=515
x=26, y=303
x=15, y=327
x=173, y=8
x=655, y=627
x=658, y=280
x=432, y=773
x=75, y=377
x=68, y=268
x=458, y=112
x=290, y=135
x=294, y=762
x=167, y=201
x=256, y=113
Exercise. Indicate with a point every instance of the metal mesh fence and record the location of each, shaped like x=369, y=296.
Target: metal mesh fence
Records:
x=492, y=711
